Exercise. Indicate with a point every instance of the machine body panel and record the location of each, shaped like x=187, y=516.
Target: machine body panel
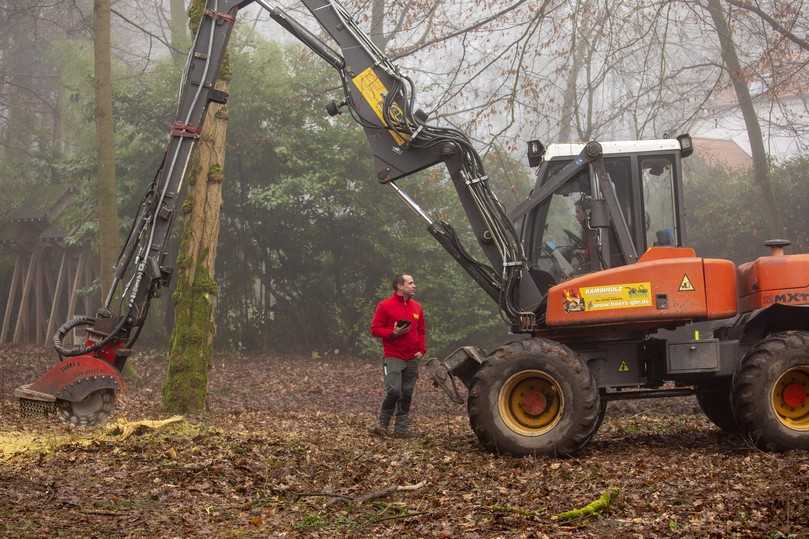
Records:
x=662, y=288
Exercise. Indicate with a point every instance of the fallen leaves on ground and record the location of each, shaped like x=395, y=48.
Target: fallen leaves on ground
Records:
x=285, y=450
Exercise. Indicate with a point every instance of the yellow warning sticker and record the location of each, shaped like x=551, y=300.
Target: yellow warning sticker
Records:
x=623, y=366
x=686, y=285
x=374, y=92
x=616, y=296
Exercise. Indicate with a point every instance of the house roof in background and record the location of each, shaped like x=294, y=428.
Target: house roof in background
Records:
x=723, y=152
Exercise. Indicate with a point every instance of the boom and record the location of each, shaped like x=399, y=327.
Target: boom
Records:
x=382, y=100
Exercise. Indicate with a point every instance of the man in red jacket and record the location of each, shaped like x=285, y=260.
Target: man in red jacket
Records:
x=399, y=322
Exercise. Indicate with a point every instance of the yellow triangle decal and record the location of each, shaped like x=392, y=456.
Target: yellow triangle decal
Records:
x=685, y=285
x=623, y=366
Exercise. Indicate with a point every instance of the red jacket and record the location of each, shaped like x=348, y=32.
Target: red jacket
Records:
x=407, y=345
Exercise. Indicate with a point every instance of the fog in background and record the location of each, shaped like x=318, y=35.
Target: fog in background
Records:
x=309, y=240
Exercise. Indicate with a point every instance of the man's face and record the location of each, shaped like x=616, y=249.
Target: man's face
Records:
x=408, y=287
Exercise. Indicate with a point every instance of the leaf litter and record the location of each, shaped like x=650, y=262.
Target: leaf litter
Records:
x=285, y=451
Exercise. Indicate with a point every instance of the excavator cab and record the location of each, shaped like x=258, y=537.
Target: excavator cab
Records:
x=562, y=236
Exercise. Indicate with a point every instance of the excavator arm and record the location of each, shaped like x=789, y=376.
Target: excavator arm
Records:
x=382, y=101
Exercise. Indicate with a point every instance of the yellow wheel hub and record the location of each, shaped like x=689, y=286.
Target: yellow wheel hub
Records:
x=531, y=402
x=790, y=398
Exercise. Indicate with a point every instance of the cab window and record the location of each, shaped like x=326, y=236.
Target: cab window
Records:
x=658, y=201
x=563, y=246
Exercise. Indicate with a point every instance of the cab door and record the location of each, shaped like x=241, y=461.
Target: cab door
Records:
x=660, y=186
x=557, y=234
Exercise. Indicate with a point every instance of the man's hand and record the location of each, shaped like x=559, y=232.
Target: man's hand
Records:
x=418, y=355
x=400, y=330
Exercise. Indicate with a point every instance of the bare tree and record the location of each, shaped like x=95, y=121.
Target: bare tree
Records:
x=734, y=69
x=107, y=199
x=178, y=21
x=795, y=14
x=19, y=76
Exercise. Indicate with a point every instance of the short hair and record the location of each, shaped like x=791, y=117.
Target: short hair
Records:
x=398, y=280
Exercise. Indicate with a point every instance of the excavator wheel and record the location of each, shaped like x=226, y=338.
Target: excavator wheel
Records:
x=771, y=392
x=715, y=402
x=534, y=397
x=91, y=411
x=602, y=413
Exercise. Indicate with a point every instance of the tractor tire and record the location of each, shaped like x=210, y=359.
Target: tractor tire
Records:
x=771, y=392
x=716, y=404
x=534, y=397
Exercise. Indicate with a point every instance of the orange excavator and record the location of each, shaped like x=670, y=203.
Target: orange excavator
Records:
x=591, y=273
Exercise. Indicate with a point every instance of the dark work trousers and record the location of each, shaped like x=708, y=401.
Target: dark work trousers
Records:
x=400, y=380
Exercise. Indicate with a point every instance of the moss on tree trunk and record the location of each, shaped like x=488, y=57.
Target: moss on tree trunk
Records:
x=186, y=386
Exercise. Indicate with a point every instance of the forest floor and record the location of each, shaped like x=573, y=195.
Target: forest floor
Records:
x=285, y=451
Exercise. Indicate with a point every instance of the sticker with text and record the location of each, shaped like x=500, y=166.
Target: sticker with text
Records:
x=616, y=296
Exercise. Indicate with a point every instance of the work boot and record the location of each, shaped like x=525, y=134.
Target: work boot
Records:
x=381, y=427
x=402, y=427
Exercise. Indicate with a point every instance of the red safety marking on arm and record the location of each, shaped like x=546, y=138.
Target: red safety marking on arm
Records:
x=221, y=15
x=181, y=129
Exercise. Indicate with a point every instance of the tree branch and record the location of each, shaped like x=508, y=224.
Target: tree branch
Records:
x=456, y=33
x=366, y=497
x=147, y=32
x=802, y=43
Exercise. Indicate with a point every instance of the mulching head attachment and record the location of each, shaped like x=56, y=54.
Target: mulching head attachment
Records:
x=80, y=390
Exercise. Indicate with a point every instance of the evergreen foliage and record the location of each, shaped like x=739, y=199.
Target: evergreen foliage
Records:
x=724, y=210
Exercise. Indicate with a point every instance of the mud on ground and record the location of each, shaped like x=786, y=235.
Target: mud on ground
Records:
x=284, y=451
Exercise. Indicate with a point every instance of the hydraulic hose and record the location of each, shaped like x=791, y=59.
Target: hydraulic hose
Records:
x=64, y=329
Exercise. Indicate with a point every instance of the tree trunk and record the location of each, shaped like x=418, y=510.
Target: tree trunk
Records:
x=179, y=40
x=378, y=24
x=107, y=203
x=20, y=72
x=568, y=117
x=186, y=386
x=761, y=173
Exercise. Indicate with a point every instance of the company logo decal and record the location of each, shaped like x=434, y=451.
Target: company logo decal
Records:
x=616, y=296
x=787, y=297
x=572, y=302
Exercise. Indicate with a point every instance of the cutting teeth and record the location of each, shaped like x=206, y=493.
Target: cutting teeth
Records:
x=93, y=410
x=31, y=407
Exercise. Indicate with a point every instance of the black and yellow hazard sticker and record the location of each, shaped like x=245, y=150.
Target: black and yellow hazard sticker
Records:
x=623, y=366
x=374, y=92
x=686, y=285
